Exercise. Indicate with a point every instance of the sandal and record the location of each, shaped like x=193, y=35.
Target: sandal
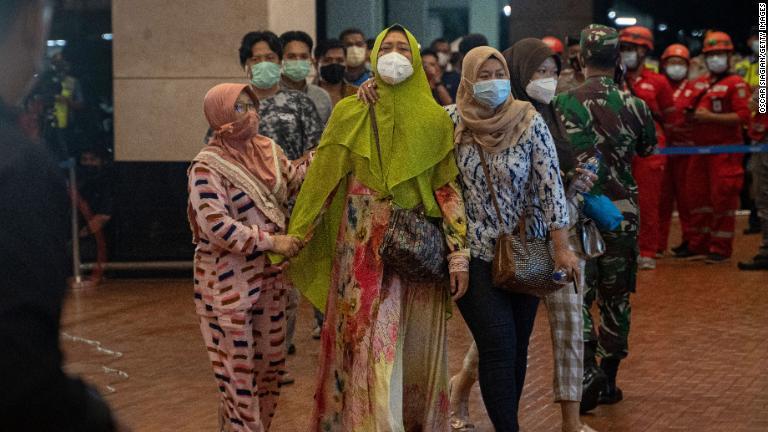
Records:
x=459, y=419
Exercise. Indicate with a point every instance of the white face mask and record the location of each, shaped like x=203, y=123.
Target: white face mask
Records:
x=542, y=90
x=717, y=64
x=629, y=58
x=676, y=72
x=394, y=68
x=355, y=56
x=755, y=46
x=443, y=59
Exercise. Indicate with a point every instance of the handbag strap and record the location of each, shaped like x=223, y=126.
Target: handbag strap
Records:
x=375, y=127
x=521, y=223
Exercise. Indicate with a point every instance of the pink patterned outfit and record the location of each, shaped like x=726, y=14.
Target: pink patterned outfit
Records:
x=240, y=297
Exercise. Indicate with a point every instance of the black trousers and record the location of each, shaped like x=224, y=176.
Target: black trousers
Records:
x=501, y=323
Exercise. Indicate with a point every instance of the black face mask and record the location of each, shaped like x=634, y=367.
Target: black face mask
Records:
x=332, y=73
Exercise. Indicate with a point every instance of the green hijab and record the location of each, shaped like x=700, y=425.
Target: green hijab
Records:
x=416, y=138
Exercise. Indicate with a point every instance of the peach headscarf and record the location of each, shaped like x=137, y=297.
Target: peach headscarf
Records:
x=494, y=130
x=238, y=141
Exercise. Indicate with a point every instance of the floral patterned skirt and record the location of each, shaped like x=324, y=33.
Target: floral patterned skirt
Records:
x=383, y=362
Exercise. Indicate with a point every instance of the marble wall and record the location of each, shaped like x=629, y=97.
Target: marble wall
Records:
x=168, y=54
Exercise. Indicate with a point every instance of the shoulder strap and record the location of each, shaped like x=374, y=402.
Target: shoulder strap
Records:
x=699, y=97
x=494, y=200
x=375, y=127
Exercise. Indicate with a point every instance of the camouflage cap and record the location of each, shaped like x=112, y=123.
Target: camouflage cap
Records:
x=599, y=41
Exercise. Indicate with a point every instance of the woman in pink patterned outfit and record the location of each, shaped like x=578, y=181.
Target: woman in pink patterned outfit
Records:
x=239, y=185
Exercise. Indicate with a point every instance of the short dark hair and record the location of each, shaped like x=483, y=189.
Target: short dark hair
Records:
x=252, y=38
x=350, y=31
x=297, y=36
x=437, y=41
x=602, y=61
x=428, y=51
x=326, y=45
x=471, y=41
x=572, y=40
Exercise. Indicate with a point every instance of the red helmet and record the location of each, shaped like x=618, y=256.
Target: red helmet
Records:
x=717, y=41
x=676, y=50
x=555, y=44
x=637, y=35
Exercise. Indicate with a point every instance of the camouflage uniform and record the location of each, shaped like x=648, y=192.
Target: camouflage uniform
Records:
x=601, y=118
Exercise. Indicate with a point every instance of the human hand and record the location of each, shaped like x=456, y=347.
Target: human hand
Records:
x=285, y=245
x=583, y=181
x=459, y=284
x=367, y=92
x=565, y=259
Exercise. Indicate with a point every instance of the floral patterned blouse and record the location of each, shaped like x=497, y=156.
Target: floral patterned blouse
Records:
x=543, y=196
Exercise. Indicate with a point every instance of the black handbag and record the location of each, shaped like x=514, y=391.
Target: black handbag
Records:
x=413, y=245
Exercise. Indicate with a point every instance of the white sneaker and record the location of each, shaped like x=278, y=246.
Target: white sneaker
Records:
x=646, y=263
x=316, y=332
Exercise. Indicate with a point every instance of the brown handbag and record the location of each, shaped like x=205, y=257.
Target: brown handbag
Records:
x=413, y=245
x=520, y=265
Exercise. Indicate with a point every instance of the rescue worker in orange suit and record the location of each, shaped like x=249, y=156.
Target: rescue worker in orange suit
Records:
x=555, y=44
x=716, y=180
x=675, y=63
x=635, y=43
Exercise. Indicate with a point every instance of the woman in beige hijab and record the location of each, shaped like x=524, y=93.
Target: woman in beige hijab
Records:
x=513, y=139
x=533, y=71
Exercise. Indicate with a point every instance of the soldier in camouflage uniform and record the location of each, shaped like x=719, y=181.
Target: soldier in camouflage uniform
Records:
x=603, y=120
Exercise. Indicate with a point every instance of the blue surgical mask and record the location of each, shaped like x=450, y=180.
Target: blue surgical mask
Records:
x=492, y=92
x=265, y=75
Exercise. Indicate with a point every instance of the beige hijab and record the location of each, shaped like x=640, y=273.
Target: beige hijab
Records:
x=494, y=130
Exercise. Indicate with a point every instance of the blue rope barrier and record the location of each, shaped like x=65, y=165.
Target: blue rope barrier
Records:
x=710, y=150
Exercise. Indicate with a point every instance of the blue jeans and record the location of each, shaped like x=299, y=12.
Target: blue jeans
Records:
x=501, y=323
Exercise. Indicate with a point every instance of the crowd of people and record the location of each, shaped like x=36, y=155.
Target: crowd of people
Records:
x=301, y=184
x=317, y=173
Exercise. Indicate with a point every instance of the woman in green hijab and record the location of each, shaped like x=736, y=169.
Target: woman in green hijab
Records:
x=374, y=318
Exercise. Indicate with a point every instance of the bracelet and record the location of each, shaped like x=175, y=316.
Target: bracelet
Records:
x=458, y=262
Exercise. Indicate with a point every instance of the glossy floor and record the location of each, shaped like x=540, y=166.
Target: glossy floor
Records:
x=699, y=346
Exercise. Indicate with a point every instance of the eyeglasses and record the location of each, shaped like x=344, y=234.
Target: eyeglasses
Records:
x=244, y=107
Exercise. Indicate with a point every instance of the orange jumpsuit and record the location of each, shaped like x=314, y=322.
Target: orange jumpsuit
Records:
x=675, y=192
x=648, y=172
x=716, y=180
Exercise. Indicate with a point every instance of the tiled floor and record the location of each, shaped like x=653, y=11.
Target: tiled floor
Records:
x=698, y=362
